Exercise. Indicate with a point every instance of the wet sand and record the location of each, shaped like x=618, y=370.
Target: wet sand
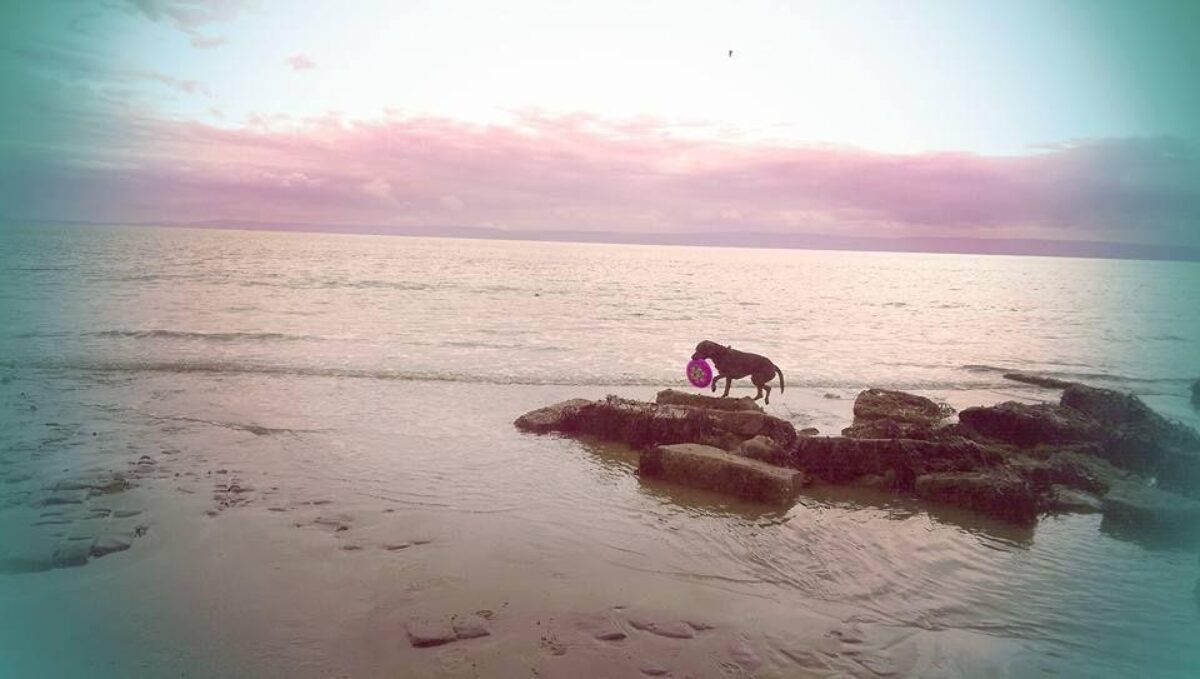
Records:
x=425, y=537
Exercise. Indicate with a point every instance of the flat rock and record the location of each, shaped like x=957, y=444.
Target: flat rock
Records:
x=550, y=418
x=999, y=493
x=644, y=425
x=680, y=398
x=714, y=469
x=426, y=633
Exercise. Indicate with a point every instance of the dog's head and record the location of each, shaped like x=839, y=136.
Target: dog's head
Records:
x=707, y=349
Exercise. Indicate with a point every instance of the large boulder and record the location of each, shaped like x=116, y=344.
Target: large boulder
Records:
x=838, y=459
x=643, y=425
x=714, y=469
x=1030, y=425
x=999, y=493
x=681, y=398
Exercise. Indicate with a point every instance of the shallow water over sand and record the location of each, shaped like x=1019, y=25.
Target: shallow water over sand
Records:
x=301, y=504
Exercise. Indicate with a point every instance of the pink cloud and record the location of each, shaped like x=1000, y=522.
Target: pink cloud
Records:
x=584, y=173
x=300, y=62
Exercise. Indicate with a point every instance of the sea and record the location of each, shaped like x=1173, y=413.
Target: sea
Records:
x=291, y=408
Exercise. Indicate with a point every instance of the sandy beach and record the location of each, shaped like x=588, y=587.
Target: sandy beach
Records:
x=259, y=547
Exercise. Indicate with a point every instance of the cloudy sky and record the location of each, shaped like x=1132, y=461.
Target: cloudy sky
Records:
x=1062, y=120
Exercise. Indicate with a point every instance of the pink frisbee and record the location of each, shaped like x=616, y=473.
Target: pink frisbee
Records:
x=699, y=373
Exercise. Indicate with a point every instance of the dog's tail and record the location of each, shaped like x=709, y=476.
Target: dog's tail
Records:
x=780, y=378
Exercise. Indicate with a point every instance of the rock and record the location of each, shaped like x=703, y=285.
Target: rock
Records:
x=680, y=398
x=426, y=633
x=999, y=493
x=1038, y=380
x=839, y=459
x=714, y=469
x=1196, y=393
x=644, y=425
x=809, y=431
x=472, y=627
x=887, y=414
x=879, y=404
x=1029, y=425
x=1109, y=407
x=108, y=545
x=550, y=418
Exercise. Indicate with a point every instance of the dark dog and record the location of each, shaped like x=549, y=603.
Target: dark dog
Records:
x=733, y=364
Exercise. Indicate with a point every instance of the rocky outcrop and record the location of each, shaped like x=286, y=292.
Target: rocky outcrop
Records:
x=1115, y=427
x=1196, y=393
x=714, y=469
x=645, y=425
x=1096, y=449
x=883, y=413
x=680, y=398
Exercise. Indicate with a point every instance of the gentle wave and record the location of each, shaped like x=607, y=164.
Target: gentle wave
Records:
x=1086, y=377
x=207, y=336
x=476, y=377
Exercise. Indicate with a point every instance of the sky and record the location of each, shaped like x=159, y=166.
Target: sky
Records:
x=1064, y=120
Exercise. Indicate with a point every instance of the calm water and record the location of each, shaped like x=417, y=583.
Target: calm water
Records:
x=378, y=377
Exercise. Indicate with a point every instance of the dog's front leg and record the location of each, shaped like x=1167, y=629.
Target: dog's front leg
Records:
x=728, y=381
